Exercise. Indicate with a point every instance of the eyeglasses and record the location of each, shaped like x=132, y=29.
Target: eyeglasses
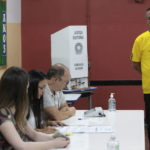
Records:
x=64, y=81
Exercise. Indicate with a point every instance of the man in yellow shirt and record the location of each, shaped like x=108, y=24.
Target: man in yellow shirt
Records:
x=141, y=62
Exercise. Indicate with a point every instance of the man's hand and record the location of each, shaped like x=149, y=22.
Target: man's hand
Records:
x=64, y=109
x=72, y=110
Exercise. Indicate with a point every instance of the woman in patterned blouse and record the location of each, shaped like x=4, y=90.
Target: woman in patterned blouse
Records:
x=14, y=128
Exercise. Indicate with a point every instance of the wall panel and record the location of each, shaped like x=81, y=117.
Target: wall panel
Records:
x=112, y=28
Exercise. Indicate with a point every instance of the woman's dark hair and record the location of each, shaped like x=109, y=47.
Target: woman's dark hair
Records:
x=13, y=93
x=35, y=76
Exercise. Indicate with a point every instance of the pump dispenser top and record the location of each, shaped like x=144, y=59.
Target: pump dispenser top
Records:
x=112, y=95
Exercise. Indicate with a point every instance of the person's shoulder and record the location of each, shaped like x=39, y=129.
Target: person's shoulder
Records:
x=47, y=89
x=4, y=111
x=4, y=115
x=143, y=35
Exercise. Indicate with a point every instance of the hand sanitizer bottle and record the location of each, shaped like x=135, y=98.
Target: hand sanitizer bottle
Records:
x=112, y=103
x=113, y=143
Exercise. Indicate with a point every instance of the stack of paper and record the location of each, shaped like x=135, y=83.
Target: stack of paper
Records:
x=85, y=129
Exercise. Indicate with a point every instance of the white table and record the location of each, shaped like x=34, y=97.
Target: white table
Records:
x=127, y=124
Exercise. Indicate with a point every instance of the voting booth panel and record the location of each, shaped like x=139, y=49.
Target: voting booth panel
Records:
x=69, y=47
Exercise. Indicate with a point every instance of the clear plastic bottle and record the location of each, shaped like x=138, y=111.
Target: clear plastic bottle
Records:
x=113, y=143
x=112, y=103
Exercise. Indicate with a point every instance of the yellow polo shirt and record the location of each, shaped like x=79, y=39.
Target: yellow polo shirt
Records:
x=141, y=53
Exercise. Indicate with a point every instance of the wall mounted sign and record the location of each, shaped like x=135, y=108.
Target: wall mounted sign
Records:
x=3, y=34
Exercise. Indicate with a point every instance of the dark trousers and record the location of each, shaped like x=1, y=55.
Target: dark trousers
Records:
x=147, y=112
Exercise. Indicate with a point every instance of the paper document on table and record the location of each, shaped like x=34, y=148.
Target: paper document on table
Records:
x=72, y=97
x=85, y=129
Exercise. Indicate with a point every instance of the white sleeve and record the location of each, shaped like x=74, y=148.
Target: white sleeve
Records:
x=47, y=98
x=62, y=97
x=31, y=119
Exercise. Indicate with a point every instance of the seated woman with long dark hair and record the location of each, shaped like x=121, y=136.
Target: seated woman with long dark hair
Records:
x=14, y=128
x=37, y=83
